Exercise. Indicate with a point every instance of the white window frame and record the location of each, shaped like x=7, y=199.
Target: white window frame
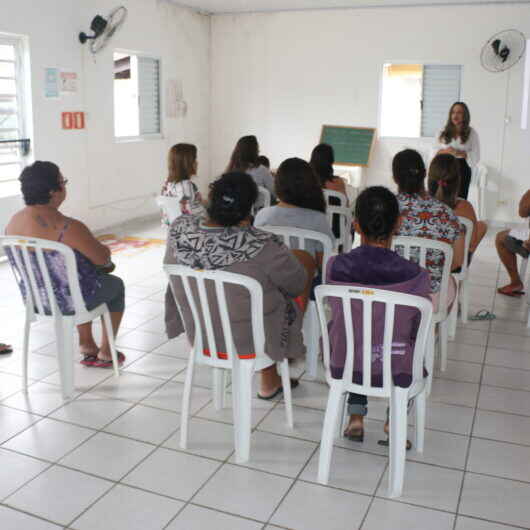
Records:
x=140, y=137
x=380, y=99
x=23, y=111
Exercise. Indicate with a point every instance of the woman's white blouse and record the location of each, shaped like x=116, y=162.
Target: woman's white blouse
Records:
x=471, y=147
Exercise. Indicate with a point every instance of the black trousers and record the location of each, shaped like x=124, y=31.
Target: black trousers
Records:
x=465, y=177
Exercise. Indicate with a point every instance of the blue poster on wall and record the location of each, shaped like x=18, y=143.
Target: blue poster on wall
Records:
x=51, y=83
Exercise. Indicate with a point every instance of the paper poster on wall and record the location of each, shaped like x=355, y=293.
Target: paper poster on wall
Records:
x=68, y=82
x=51, y=82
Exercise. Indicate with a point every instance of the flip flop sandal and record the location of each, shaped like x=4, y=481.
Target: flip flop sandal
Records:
x=5, y=349
x=510, y=293
x=386, y=443
x=483, y=314
x=294, y=384
x=95, y=362
x=355, y=435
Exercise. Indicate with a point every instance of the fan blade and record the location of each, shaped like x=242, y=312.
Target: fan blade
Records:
x=496, y=44
x=504, y=53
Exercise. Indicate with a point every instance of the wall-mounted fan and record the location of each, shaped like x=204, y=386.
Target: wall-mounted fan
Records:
x=103, y=29
x=503, y=50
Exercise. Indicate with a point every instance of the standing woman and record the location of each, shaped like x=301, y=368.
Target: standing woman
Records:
x=245, y=159
x=459, y=139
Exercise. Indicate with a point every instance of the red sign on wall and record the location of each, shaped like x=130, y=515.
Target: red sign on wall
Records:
x=73, y=120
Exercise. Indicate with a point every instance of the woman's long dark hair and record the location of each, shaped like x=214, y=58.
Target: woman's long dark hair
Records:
x=377, y=212
x=408, y=170
x=322, y=160
x=444, y=179
x=297, y=184
x=244, y=155
x=450, y=131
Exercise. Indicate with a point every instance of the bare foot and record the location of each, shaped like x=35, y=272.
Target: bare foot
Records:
x=355, y=429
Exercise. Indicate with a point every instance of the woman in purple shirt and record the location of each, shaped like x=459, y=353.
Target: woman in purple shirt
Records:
x=374, y=265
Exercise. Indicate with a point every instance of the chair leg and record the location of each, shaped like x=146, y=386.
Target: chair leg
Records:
x=398, y=440
x=311, y=338
x=429, y=358
x=464, y=300
x=25, y=353
x=420, y=402
x=328, y=433
x=112, y=343
x=64, y=333
x=242, y=391
x=186, y=402
x=341, y=425
x=453, y=315
x=218, y=387
x=286, y=384
x=444, y=331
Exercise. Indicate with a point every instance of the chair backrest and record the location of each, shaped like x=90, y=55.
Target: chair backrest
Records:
x=338, y=195
x=263, y=200
x=468, y=223
x=417, y=249
x=368, y=297
x=38, y=276
x=170, y=206
x=345, y=225
x=297, y=238
x=200, y=307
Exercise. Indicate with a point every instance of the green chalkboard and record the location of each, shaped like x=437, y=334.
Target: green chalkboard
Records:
x=352, y=145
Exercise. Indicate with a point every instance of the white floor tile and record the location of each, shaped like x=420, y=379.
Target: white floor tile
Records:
x=260, y=409
x=206, y=438
x=460, y=371
x=126, y=508
x=49, y=439
x=502, y=427
x=510, y=498
x=59, y=494
x=16, y=470
x=141, y=340
x=91, y=410
x=161, y=366
x=107, y=456
x=129, y=387
x=145, y=424
x=197, y=518
x=314, y=507
x=384, y=514
x=454, y=393
x=175, y=474
x=466, y=523
x=509, y=342
x=350, y=470
x=244, y=485
x=307, y=423
x=169, y=397
x=202, y=375
x=9, y=385
x=178, y=347
x=500, y=459
x=506, y=377
x=504, y=400
x=470, y=336
x=429, y=486
x=312, y=395
x=13, y=421
x=441, y=449
x=500, y=325
x=508, y=358
x=39, y=366
x=449, y=418
x=10, y=518
x=84, y=377
x=278, y=454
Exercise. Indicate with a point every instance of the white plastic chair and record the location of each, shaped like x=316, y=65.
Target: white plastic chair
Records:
x=41, y=302
x=345, y=224
x=424, y=244
x=170, y=206
x=242, y=370
x=297, y=238
x=397, y=396
x=522, y=274
x=462, y=281
x=338, y=195
x=263, y=200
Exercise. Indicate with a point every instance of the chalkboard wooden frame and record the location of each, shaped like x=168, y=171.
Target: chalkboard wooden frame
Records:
x=341, y=163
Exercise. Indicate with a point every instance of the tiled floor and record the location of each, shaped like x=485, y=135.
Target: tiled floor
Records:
x=109, y=459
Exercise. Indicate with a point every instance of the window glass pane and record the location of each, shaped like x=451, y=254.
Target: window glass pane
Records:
x=8, y=86
x=9, y=153
x=8, y=104
x=9, y=172
x=7, y=51
x=9, y=134
x=148, y=78
x=126, y=108
x=8, y=121
x=7, y=69
x=401, y=100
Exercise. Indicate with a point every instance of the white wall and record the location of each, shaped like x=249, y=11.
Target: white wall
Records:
x=281, y=76
x=103, y=173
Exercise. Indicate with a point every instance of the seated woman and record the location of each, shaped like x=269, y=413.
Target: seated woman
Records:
x=425, y=216
x=301, y=204
x=444, y=183
x=182, y=166
x=374, y=265
x=226, y=240
x=44, y=190
x=322, y=160
x=245, y=159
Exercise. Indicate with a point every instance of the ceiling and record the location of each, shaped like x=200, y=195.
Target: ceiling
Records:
x=253, y=6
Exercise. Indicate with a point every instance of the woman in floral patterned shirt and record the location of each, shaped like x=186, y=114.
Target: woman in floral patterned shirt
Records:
x=425, y=216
